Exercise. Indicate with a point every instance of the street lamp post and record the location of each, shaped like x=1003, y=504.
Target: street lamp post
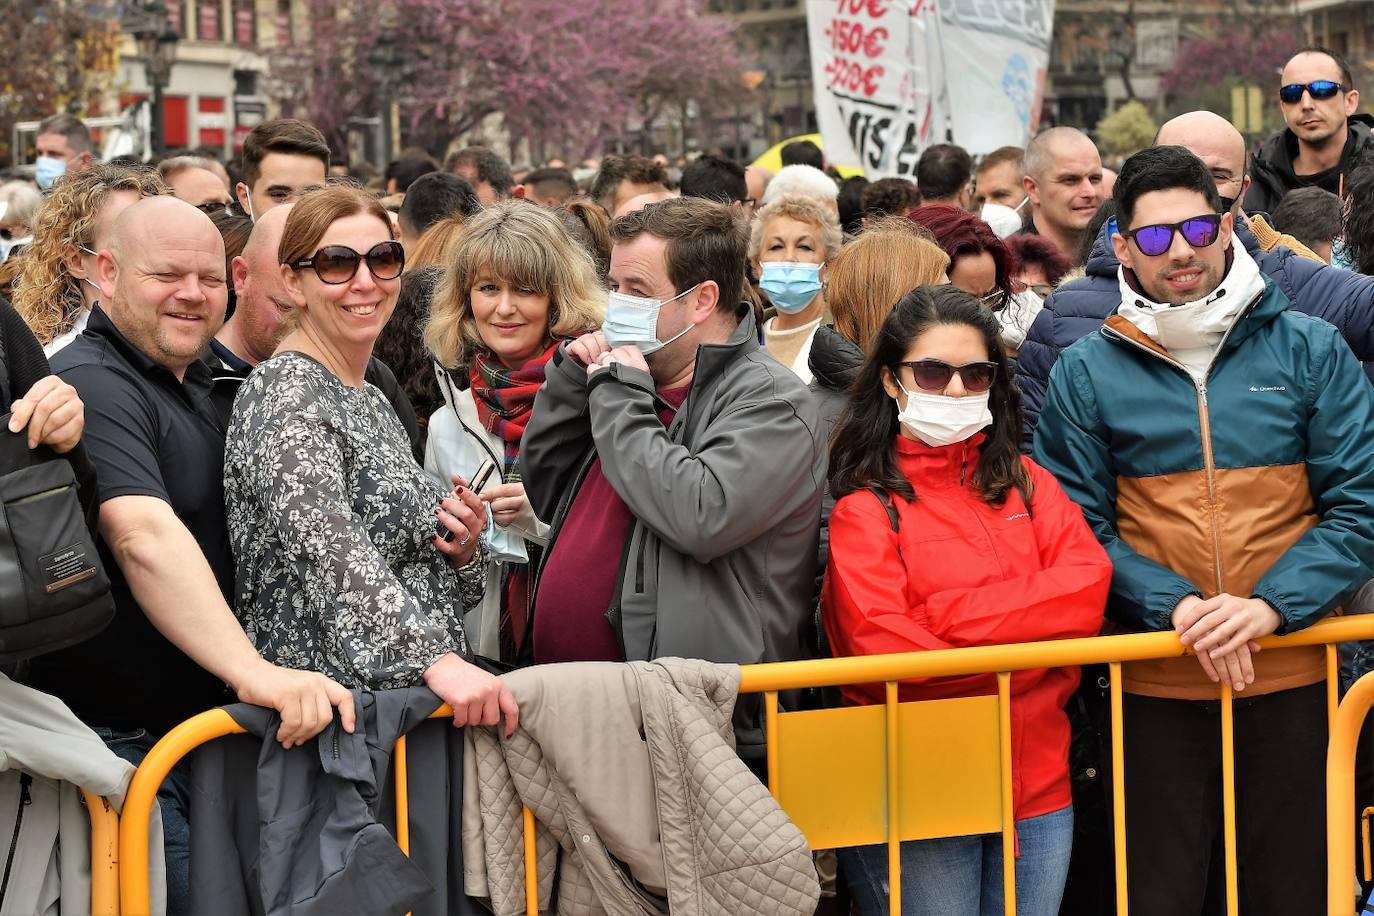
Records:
x=157, y=42
x=386, y=60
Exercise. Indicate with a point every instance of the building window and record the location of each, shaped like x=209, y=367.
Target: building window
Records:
x=245, y=23
x=176, y=16
x=285, y=33
x=209, y=25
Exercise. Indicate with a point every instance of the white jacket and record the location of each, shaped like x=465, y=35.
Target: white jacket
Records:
x=51, y=871
x=457, y=443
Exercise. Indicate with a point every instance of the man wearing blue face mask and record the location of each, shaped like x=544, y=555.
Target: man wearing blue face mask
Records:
x=681, y=466
x=63, y=145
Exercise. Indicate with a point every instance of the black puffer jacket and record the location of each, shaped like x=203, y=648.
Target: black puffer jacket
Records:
x=834, y=364
x=1271, y=170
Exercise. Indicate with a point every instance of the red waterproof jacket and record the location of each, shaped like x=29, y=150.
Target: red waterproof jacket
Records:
x=959, y=572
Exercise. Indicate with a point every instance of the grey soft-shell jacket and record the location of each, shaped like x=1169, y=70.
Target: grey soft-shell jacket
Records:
x=642, y=806
x=46, y=756
x=720, y=561
x=301, y=832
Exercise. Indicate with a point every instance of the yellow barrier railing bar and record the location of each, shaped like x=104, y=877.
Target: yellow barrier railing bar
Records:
x=770, y=727
x=401, y=776
x=1118, y=786
x=402, y=779
x=1364, y=833
x=1058, y=653
x=1008, y=809
x=1340, y=795
x=531, y=864
x=104, y=855
x=894, y=806
x=1333, y=686
x=1228, y=796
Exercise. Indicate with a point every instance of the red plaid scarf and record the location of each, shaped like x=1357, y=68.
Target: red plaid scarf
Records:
x=505, y=399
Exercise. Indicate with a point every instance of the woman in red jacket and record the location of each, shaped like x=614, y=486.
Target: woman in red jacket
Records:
x=944, y=535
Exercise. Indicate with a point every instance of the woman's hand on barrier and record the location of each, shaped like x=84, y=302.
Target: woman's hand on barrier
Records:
x=509, y=505
x=304, y=699
x=476, y=697
x=53, y=413
x=462, y=513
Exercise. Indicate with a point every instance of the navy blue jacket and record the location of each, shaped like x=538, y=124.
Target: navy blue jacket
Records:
x=1078, y=308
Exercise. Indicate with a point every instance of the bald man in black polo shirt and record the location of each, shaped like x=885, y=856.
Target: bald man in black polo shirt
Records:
x=158, y=446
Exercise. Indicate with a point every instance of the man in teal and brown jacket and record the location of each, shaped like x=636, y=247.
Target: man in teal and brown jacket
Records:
x=1222, y=447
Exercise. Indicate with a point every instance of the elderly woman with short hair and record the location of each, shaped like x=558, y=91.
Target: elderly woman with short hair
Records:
x=332, y=522
x=790, y=241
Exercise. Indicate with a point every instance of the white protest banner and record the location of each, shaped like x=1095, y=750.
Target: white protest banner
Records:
x=893, y=77
x=995, y=55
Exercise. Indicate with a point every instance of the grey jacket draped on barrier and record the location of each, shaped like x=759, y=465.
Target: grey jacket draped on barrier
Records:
x=301, y=832
x=642, y=805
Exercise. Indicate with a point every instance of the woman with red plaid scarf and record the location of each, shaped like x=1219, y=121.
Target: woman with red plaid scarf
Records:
x=515, y=285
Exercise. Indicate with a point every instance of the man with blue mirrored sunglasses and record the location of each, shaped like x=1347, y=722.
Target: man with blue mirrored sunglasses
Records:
x=1325, y=134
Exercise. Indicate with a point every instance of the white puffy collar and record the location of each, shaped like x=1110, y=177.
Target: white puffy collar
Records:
x=1198, y=324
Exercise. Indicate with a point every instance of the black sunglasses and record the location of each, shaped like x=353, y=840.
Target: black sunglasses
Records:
x=335, y=264
x=1319, y=89
x=934, y=374
x=1199, y=231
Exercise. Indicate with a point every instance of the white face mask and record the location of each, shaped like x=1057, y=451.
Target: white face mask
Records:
x=939, y=420
x=632, y=321
x=1002, y=220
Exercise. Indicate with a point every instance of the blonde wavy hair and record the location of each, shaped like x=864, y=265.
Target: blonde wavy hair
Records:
x=527, y=246
x=45, y=293
x=432, y=248
x=889, y=259
x=803, y=209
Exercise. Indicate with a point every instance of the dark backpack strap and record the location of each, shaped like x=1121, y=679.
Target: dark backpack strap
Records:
x=889, y=507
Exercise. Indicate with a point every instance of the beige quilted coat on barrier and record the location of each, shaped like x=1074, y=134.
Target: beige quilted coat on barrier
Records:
x=643, y=806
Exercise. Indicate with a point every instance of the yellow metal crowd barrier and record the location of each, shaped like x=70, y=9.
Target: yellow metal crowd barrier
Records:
x=889, y=794
x=104, y=855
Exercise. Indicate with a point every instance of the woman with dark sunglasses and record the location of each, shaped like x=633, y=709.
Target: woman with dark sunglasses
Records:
x=945, y=536
x=332, y=522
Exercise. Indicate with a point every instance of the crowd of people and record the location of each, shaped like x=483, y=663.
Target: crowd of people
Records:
x=350, y=431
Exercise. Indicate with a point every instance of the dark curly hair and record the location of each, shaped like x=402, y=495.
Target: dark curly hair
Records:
x=401, y=344
x=862, y=451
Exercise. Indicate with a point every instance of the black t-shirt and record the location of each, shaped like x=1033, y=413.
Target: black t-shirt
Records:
x=148, y=434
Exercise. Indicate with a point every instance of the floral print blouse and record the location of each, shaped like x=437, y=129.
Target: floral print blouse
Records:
x=331, y=522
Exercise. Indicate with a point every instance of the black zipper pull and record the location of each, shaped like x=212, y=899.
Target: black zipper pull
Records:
x=25, y=799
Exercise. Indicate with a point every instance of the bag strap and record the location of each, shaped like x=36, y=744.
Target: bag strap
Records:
x=889, y=507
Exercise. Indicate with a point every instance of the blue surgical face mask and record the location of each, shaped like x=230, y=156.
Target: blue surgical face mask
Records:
x=47, y=170
x=790, y=286
x=1340, y=257
x=632, y=321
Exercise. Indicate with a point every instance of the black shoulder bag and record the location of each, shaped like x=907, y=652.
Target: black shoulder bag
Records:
x=53, y=590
